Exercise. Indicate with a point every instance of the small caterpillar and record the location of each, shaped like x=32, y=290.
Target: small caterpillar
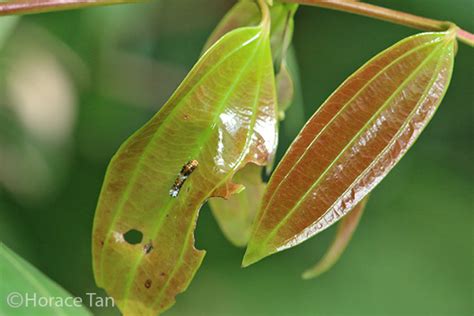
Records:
x=186, y=171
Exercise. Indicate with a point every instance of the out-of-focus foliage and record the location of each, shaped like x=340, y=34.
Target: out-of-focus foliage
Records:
x=37, y=114
x=20, y=275
x=134, y=56
x=345, y=230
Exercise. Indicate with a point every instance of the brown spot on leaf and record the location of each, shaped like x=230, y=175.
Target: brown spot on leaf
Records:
x=148, y=283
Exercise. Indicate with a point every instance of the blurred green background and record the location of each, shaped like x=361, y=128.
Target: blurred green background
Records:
x=75, y=84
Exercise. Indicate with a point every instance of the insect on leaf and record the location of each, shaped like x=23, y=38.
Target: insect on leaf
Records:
x=345, y=230
x=143, y=236
x=350, y=144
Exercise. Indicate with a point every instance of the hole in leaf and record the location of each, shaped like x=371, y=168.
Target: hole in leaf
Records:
x=133, y=236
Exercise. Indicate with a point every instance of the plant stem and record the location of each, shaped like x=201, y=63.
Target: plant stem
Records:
x=263, y=5
x=389, y=15
x=38, y=6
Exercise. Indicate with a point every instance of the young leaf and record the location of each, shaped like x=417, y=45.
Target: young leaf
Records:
x=285, y=90
x=293, y=120
x=353, y=141
x=20, y=278
x=345, y=230
x=235, y=215
x=221, y=117
x=246, y=13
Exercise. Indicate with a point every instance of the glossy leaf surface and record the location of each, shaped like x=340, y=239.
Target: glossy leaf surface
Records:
x=236, y=214
x=345, y=230
x=353, y=141
x=19, y=277
x=207, y=121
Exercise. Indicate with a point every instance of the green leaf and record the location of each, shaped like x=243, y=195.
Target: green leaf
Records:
x=20, y=278
x=7, y=25
x=236, y=214
x=350, y=144
x=246, y=13
x=285, y=90
x=222, y=116
x=282, y=31
x=345, y=230
x=294, y=119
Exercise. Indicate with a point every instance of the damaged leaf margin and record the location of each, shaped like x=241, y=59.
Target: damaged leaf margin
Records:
x=235, y=215
x=204, y=121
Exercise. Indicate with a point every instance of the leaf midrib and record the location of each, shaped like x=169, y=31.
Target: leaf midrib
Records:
x=134, y=175
x=431, y=42
x=274, y=231
x=242, y=156
x=169, y=205
x=389, y=145
x=334, y=118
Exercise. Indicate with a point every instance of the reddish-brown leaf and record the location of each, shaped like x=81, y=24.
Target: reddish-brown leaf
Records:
x=236, y=214
x=353, y=141
x=345, y=230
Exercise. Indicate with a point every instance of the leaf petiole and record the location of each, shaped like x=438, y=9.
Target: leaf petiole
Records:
x=389, y=15
x=39, y=6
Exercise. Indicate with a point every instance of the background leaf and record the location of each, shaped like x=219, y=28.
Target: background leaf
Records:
x=205, y=120
x=353, y=141
x=19, y=276
x=235, y=215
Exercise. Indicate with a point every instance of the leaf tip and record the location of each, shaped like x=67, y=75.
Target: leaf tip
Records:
x=248, y=260
x=254, y=254
x=307, y=275
x=312, y=273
